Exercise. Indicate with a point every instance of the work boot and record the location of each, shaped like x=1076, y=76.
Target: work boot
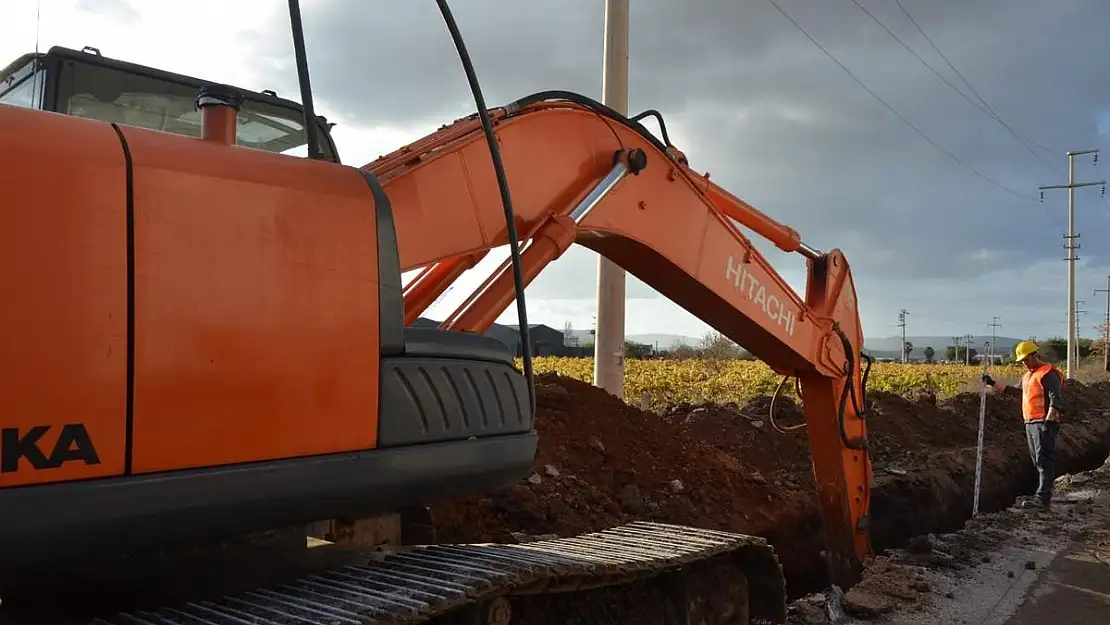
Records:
x=1032, y=503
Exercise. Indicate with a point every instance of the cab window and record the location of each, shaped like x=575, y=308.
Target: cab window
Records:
x=23, y=87
x=113, y=95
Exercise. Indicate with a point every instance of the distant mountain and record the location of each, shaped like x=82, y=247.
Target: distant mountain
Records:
x=889, y=347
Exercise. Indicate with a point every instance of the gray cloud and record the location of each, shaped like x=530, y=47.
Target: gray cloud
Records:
x=779, y=124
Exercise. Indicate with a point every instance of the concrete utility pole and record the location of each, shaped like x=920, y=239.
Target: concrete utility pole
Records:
x=994, y=326
x=1071, y=246
x=902, y=323
x=1078, y=312
x=967, y=352
x=609, y=341
x=1105, y=329
x=956, y=353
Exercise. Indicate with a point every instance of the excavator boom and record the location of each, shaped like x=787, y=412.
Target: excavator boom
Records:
x=584, y=174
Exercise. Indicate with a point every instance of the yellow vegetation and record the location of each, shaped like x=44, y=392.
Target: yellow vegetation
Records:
x=695, y=381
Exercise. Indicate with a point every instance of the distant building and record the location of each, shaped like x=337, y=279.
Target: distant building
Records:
x=546, y=341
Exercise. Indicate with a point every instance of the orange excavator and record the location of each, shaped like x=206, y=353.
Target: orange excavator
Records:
x=208, y=339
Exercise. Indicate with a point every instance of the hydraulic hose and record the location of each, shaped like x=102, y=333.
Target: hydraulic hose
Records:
x=506, y=199
x=633, y=123
x=849, y=392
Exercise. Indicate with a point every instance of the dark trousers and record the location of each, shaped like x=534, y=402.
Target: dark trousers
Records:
x=1042, y=450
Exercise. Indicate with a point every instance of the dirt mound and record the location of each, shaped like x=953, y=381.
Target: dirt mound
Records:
x=603, y=463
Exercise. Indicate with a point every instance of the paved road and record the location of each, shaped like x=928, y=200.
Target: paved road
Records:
x=1050, y=568
x=1074, y=589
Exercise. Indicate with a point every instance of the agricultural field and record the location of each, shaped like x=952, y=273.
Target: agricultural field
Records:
x=668, y=382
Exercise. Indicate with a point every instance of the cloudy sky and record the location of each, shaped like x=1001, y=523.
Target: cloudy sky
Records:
x=933, y=196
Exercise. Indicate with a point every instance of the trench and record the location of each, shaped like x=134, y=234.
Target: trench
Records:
x=935, y=497
x=602, y=463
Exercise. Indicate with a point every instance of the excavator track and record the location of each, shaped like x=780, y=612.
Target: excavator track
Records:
x=681, y=574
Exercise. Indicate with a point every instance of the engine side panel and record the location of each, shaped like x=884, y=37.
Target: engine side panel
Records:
x=256, y=305
x=63, y=280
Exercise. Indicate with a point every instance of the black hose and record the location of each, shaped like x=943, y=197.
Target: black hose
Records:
x=506, y=199
x=599, y=108
x=848, y=391
x=658, y=118
x=312, y=132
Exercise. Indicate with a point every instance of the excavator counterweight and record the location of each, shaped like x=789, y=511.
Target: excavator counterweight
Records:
x=211, y=342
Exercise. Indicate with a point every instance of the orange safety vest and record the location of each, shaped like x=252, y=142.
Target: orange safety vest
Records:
x=1033, y=404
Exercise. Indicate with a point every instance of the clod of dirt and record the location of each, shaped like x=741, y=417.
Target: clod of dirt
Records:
x=919, y=545
x=807, y=614
x=860, y=602
x=632, y=500
x=1030, y=565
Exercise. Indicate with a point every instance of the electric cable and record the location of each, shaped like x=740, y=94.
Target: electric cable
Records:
x=986, y=108
x=981, y=105
x=506, y=198
x=895, y=112
x=1028, y=144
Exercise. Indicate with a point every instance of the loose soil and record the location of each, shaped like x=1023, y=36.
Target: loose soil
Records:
x=602, y=462
x=1014, y=566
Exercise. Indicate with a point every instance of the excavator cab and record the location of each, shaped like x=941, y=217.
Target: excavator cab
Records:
x=211, y=336
x=84, y=83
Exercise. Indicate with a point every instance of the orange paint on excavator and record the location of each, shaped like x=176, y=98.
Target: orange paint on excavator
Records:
x=209, y=337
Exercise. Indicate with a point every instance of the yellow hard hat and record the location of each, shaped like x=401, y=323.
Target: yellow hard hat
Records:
x=1023, y=349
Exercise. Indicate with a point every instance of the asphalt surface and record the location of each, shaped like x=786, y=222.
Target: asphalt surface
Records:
x=1075, y=588
x=1012, y=567
x=1051, y=568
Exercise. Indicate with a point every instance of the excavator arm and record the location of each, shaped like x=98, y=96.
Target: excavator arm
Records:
x=582, y=173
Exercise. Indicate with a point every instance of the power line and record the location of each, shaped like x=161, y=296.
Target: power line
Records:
x=981, y=105
x=1026, y=143
x=895, y=112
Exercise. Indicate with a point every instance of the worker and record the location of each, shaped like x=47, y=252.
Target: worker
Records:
x=1042, y=394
